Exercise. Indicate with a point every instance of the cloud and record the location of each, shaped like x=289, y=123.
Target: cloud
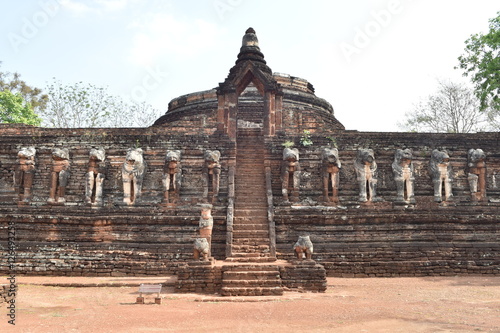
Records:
x=93, y=7
x=112, y=5
x=163, y=35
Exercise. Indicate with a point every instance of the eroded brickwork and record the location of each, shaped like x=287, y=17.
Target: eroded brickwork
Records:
x=248, y=119
x=78, y=239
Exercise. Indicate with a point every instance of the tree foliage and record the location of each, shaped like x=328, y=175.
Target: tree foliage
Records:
x=14, y=109
x=19, y=102
x=454, y=108
x=86, y=105
x=34, y=96
x=481, y=62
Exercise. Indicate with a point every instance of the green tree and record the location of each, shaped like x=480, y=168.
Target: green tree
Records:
x=454, y=108
x=34, y=96
x=481, y=61
x=14, y=109
x=87, y=105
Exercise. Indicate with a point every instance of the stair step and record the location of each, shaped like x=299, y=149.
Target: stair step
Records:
x=244, y=291
x=259, y=209
x=250, y=197
x=252, y=283
x=262, y=249
x=262, y=219
x=250, y=194
x=250, y=181
x=239, y=226
x=251, y=259
x=251, y=206
x=252, y=242
x=250, y=225
x=256, y=243
x=247, y=268
x=251, y=234
x=245, y=254
x=246, y=247
x=250, y=212
x=250, y=256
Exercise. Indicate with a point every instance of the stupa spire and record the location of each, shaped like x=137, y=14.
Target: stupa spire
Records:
x=250, y=49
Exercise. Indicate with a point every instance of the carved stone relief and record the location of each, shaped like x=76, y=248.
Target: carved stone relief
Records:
x=441, y=173
x=59, y=176
x=290, y=174
x=25, y=172
x=476, y=168
x=133, y=171
x=206, y=224
x=201, y=248
x=402, y=167
x=172, y=176
x=331, y=167
x=366, y=172
x=95, y=177
x=211, y=174
x=303, y=246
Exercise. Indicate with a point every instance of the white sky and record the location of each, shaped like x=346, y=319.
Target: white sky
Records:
x=371, y=59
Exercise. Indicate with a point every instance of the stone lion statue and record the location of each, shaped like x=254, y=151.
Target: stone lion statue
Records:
x=133, y=171
x=330, y=172
x=23, y=178
x=59, y=175
x=172, y=175
x=402, y=167
x=201, y=248
x=441, y=173
x=95, y=177
x=206, y=218
x=303, y=245
x=476, y=169
x=366, y=172
x=211, y=173
x=290, y=174
x=27, y=153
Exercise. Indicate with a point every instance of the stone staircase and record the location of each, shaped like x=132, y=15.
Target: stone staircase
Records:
x=250, y=225
x=251, y=280
x=246, y=272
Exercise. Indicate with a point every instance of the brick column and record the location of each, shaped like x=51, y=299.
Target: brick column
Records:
x=221, y=114
x=269, y=114
x=278, y=112
x=232, y=121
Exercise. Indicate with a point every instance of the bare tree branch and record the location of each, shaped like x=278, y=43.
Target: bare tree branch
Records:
x=452, y=109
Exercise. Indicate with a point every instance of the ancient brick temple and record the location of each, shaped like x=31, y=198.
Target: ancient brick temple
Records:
x=242, y=174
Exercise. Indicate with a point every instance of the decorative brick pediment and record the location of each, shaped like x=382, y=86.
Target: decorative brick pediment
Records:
x=250, y=67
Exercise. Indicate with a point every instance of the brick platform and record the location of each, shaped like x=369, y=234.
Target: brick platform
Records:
x=248, y=118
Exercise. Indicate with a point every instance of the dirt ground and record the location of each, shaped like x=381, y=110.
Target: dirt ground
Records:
x=451, y=304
